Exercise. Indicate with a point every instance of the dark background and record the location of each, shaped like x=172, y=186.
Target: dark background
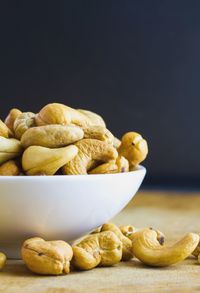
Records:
x=137, y=63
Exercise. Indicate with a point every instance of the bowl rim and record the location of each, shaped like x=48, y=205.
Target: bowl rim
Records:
x=138, y=169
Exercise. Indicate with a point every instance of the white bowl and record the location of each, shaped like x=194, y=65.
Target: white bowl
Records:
x=60, y=207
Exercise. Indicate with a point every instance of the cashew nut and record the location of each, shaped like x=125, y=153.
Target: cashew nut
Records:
x=52, y=136
x=9, y=148
x=98, y=132
x=61, y=114
x=119, y=166
x=100, y=249
x=127, y=252
x=89, y=150
x=94, y=118
x=46, y=161
x=128, y=230
x=133, y=147
x=196, y=252
x=2, y=260
x=23, y=122
x=10, y=119
x=10, y=168
x=47, y=257
x=4, y=130
x=148, y=250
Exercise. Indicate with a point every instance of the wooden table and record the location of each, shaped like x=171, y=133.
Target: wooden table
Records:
x=173, y=213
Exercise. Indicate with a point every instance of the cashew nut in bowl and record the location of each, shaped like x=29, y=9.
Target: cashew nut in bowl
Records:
x=10, y=168
x=106, y=168
x=127, y=252
x=2, y=260
x=148, y=249
x=89, y=150
x=100, y=249
x=52, y=136
x=9, y=148
x=23, y=122
x=56, y=113
x=10, y=119
x=47, y=257
x=134, y=148
x=4, y=130
x=118, y=166
x=94, y=118
x=98, y=132
x=46, y=161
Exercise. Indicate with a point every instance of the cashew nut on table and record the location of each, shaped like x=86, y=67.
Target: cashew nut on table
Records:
x=39, y=142
x=147, y=248
x=47, y=257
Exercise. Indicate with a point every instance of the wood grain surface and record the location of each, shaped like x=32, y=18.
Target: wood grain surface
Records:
x=173, y=213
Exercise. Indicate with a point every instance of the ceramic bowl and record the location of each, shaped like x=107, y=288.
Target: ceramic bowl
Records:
x=60, y=207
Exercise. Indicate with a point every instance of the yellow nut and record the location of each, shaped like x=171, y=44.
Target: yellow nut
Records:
x=147, y=248
x=9, y=148
x=89, y=150
x=119, y=166
x=106, y=168
x=52, y=136
x=98, y=132
x=94, y=118
x=196, y=252
x=127, y=252
x=23, y=122
x=37, y=160
x=2, y=260
x=47, y=257
x=100, y=249
x=133, y=147
x=56, y=113
x=10, y=119
x=128, y=230
x=10, y=168
x=4, y=130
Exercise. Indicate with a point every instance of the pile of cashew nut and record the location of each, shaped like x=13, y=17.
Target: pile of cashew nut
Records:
x=60, y=140
x=105, y=246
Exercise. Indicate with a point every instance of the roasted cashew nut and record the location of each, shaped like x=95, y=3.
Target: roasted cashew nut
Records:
x=196, y=252
x=127, y=252
x=89, y=150
x=4, y=130
x=98, y=132
x=148, y=250
x=94, y=118
x=10, y=168
x=10, y=119
x=47, y=257
x=46, y=161
x=23, y=122
x=2, y=260
x=9, y=148
x=134, y=148
x=119, y=166
x=100, y=249
x=52, y=136
x=56, y=113
x=128, y=230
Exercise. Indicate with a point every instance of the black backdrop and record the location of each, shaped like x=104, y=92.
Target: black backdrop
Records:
x=137, y=63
